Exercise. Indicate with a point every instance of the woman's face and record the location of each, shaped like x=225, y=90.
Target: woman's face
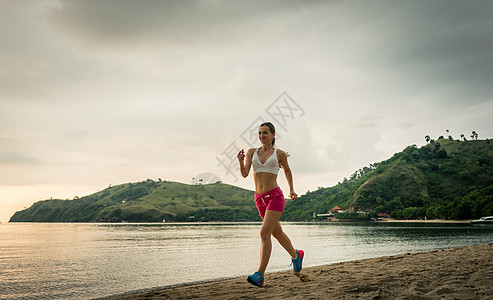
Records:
x=264, y=135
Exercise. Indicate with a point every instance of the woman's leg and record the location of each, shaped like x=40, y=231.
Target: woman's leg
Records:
x=271, y=220
x=284, y=240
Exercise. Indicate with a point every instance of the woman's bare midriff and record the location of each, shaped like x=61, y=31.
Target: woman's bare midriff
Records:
x=264, y=182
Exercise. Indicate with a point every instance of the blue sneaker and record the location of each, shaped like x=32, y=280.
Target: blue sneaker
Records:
x=256, y=279
x=297, y=262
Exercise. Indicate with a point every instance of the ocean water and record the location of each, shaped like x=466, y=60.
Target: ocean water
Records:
x=86, y=261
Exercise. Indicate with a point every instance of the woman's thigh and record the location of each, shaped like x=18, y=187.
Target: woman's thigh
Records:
x=270, y=222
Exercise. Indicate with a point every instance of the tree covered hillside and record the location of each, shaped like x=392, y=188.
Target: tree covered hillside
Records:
x=444, y=179
x=148, y=201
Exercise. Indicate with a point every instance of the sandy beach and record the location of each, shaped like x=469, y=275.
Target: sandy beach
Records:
x=456, y=273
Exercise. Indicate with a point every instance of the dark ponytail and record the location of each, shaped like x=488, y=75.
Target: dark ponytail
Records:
x=272, y=130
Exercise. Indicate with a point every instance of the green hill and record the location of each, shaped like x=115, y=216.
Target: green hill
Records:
x=148, y=201
x=443, y=179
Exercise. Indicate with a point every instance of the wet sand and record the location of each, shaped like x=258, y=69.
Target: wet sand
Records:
x=456, y=273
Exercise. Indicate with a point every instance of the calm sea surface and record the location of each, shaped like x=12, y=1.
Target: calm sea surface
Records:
x=84, y=261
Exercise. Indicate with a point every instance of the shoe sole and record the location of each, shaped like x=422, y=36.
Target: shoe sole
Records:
x=254, y=283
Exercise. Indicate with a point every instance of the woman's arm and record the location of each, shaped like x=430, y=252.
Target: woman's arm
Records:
x=283, y=160
x=245, y=165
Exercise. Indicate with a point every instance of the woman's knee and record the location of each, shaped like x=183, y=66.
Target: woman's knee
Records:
x=265, y=233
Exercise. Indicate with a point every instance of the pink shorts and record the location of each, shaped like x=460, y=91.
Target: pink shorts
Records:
x=272, y=200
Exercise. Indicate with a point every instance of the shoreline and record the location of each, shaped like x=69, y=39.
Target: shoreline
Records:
x=260, y=222
x=441, y=221
x=460, y=273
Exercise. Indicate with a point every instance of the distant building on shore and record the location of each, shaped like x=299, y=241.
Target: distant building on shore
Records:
x=337, y=210
x=383, y=215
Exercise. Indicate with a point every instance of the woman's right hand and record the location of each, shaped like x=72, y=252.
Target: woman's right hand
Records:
x=241, y=155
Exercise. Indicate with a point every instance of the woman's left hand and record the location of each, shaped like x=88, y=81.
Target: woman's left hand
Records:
x=293, y=195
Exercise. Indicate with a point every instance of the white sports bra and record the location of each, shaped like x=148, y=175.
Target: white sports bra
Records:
x=271, y=165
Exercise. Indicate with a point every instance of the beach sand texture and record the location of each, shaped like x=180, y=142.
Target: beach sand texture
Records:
x=456, y=273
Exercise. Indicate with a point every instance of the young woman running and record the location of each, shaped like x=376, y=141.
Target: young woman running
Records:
x=269, y=198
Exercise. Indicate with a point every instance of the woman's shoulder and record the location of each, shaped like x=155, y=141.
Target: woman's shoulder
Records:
x=251, y=150
x=282, y=153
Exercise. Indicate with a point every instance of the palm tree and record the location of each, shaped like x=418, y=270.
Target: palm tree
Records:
x=427, y=138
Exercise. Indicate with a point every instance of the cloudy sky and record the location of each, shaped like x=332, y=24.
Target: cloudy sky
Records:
x=94, y=93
